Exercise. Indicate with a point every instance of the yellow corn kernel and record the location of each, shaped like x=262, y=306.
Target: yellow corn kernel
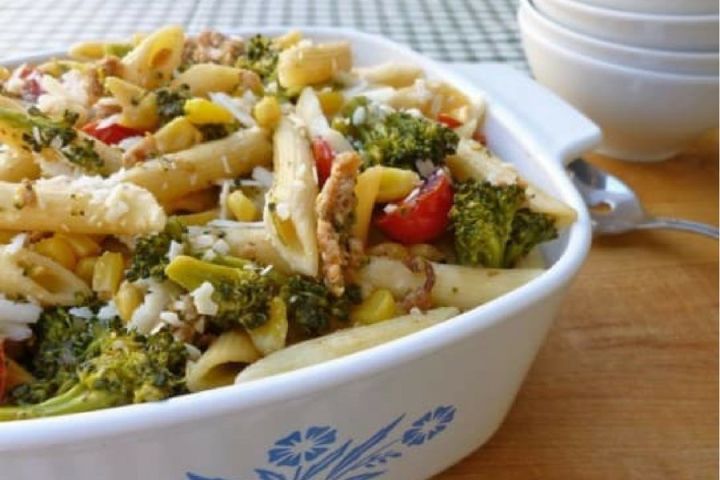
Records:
x=87, y=51
x=58, y=250
x=242, y=208
x=82, y=245
x=288, y=40
x=200, y=112
x=330, y=101
x=4, y=73
x=108, y=274
x=85, y=268
x=396, y=184
x=379, y=306
x=177, y=135
x=127, y=299
x=200, y=218
x=267, y=112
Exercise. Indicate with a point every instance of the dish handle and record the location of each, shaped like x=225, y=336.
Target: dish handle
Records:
x=554, y=126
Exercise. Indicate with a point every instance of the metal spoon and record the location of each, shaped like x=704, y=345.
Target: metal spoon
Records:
x=615, y=208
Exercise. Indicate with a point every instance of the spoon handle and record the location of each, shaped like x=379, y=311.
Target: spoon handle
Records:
x=677, y=224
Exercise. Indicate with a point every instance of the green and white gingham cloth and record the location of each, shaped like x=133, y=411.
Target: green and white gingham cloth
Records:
x=447, y=30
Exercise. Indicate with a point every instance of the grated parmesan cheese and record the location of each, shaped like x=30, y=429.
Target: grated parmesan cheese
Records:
x=202, y=299
x=263, y=176
x=15, y=318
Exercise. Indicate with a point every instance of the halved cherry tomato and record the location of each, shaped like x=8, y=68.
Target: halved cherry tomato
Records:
x=3, y=369
x=110, y=134
x=448, y=121
x=422, y=216
x=322, y=151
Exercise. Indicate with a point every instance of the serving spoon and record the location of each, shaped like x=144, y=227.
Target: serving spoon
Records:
x=615, y=208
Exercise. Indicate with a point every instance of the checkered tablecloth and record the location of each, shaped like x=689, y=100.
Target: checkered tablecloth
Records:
x=447, y=30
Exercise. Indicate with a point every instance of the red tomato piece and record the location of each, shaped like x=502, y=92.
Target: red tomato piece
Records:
x=448, y=121
x=323, y=154
x=422, y=216
x=110, y=134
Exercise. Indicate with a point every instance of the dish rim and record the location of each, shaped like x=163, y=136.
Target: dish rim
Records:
x=173, y=412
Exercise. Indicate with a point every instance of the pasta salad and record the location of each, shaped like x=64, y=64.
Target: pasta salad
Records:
x=180, y=213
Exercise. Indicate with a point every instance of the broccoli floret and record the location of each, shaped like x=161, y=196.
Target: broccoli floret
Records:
x=397, y=139
x=43, y=130
x=119, y=368
x=171, y=102
x=482, y=217
x=312, y=306
x=241, y=290
x=60, y=345
x=491, y=228
x=38, y=131
x=151, y=252
x=260, y=56
x=215, y=131
x=529, y=229
x=82, y=153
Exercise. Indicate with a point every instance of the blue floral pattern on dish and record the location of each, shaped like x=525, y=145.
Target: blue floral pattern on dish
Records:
x=317, y=454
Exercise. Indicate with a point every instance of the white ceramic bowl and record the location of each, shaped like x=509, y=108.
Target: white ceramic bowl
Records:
x=409, y=408
x=661, y=7
x=700, y=63
x=663, y=32
x=644, y=115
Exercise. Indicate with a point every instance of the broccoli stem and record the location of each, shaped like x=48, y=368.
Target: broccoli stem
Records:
x=190, y=273
x=77, y=399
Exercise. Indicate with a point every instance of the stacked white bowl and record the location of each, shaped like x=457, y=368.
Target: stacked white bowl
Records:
x=646, y=71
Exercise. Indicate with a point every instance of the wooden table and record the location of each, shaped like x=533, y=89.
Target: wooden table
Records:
x=626, y=385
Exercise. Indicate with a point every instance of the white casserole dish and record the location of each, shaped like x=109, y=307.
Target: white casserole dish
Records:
x=410, y=408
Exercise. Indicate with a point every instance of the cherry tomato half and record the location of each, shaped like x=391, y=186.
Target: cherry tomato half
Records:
x=421, y=216
x=322, y=151
x=110, y=134
x=448, y=121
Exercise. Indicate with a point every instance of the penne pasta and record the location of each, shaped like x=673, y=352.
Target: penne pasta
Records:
x=139, y=107
x=342, y=343
x=308, y=64
x=392, y=74
x=289, y=213
x=271, y=337
x=197, y=168
x=153, y=61
x=204, y=78
x=309, y=110
x=63, y=205
x=33, y=276
x=17, y=165
x=222, y=361
x=245, y=240
x=455, y=285
x=474, y=160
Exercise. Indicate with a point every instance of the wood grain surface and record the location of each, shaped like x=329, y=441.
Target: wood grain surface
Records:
x=626, y=385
